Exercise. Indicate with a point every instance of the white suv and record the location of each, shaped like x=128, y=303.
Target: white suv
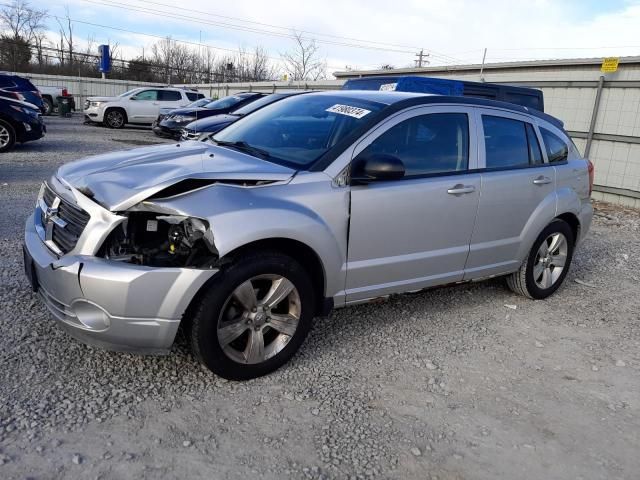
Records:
x=140, y=105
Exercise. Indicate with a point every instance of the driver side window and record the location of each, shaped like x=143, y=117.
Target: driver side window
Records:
x=427, y=144
x=147, y=95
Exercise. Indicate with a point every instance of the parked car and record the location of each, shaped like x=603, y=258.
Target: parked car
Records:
x=200, y=128
x=165, y=111
x=19, y=122
x=171, y=125
x=23, y=86
x=139, y=106
x=50, y=98
x=317, y=201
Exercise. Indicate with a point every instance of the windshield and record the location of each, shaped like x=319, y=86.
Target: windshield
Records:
x=261, y=102
x=128, y=92
x=199, y=103
x=298, y=130
x=226, y=102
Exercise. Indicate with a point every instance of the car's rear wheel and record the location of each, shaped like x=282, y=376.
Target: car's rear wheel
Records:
x=7, y=136
x=253, y=317
x=48, y=105
x=115, y=118
x=547, y=264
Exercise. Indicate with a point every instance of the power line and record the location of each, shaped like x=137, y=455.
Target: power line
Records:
x=372, y=45
x=179, y=16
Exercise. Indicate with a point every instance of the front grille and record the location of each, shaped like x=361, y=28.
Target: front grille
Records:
x=64, y=234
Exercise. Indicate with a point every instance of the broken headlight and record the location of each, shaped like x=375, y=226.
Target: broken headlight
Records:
x=146, y=238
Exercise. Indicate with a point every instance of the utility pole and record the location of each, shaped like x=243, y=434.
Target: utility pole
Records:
x=420, y=56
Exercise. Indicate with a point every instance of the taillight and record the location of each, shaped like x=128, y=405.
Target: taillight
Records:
x=64, y=92
x=591, y=175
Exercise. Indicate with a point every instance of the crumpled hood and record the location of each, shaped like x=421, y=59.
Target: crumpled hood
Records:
x=119, y=180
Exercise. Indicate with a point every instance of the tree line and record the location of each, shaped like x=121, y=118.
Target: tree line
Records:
x=25, y=47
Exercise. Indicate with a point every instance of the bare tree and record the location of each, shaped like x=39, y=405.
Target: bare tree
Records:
x=24, y=25
x=304, y=61
x=66, y=41
x=21, y=20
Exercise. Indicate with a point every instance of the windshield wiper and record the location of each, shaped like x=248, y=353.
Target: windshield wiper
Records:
x=244, y=147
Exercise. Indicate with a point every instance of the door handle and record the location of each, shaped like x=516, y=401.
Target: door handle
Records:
x=542, y=180
x=460, y=189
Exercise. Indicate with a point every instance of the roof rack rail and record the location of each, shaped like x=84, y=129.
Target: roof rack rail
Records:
x=523, y=96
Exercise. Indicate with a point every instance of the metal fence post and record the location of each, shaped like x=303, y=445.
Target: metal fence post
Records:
x=594, y=117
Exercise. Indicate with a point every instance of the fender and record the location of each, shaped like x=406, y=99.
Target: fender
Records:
x=544, y=214
x=311, y=212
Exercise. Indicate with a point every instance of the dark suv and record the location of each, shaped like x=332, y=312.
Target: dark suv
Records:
x=19, y=122
x=21, y=85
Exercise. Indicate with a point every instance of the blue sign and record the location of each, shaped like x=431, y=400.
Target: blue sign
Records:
x=105, y=59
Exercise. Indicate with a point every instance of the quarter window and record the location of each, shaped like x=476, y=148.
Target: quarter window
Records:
x=557, y=150
x=147, y=95
x=170, y=96
x=427, y=144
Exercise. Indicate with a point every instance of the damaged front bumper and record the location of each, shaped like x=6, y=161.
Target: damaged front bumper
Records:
x=111, y=304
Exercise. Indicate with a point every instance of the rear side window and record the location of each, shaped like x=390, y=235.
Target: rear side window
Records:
x=169, y=96
x=427, y=144
x=509, y=143
x=557, y=149
x=193, y=96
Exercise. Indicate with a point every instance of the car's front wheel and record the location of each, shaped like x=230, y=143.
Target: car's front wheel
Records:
x=7, y=136
x=115, y=118
x=253, y=317
x=547, y=264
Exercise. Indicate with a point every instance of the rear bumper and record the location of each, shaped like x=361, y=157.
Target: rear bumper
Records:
x=114, y=305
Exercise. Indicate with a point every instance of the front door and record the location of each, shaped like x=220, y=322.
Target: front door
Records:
x=414, y=232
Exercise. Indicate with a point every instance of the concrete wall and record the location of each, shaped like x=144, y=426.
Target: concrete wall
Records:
x=569, y=93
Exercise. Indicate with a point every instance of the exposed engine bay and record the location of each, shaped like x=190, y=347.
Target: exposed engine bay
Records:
x=158, y=240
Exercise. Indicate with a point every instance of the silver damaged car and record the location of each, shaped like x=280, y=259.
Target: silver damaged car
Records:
x=317, y=201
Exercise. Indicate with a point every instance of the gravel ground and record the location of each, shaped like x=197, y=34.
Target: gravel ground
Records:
x=467, y=382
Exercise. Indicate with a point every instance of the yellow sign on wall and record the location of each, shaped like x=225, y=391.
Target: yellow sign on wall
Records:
x=609, y=65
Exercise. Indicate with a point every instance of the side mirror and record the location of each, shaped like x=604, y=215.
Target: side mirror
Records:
x=376, y=167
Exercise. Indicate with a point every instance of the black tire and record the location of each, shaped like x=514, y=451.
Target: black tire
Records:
x=202, y=331
x=48, y=105
x=7, y=136
x=115, y=118
x=523, y=282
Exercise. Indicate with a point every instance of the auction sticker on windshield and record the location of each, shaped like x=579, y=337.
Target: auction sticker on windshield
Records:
x=355, y=112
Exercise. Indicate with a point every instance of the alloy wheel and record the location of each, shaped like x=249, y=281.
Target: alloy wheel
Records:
x=115, y=119
x=5, y=136
x=259, y=319
x=550, y=260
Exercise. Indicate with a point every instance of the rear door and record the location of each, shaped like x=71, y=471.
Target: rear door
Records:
x=518, y=191
x=414, y=232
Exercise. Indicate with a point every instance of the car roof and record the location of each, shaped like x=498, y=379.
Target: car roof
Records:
x=400, y=100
